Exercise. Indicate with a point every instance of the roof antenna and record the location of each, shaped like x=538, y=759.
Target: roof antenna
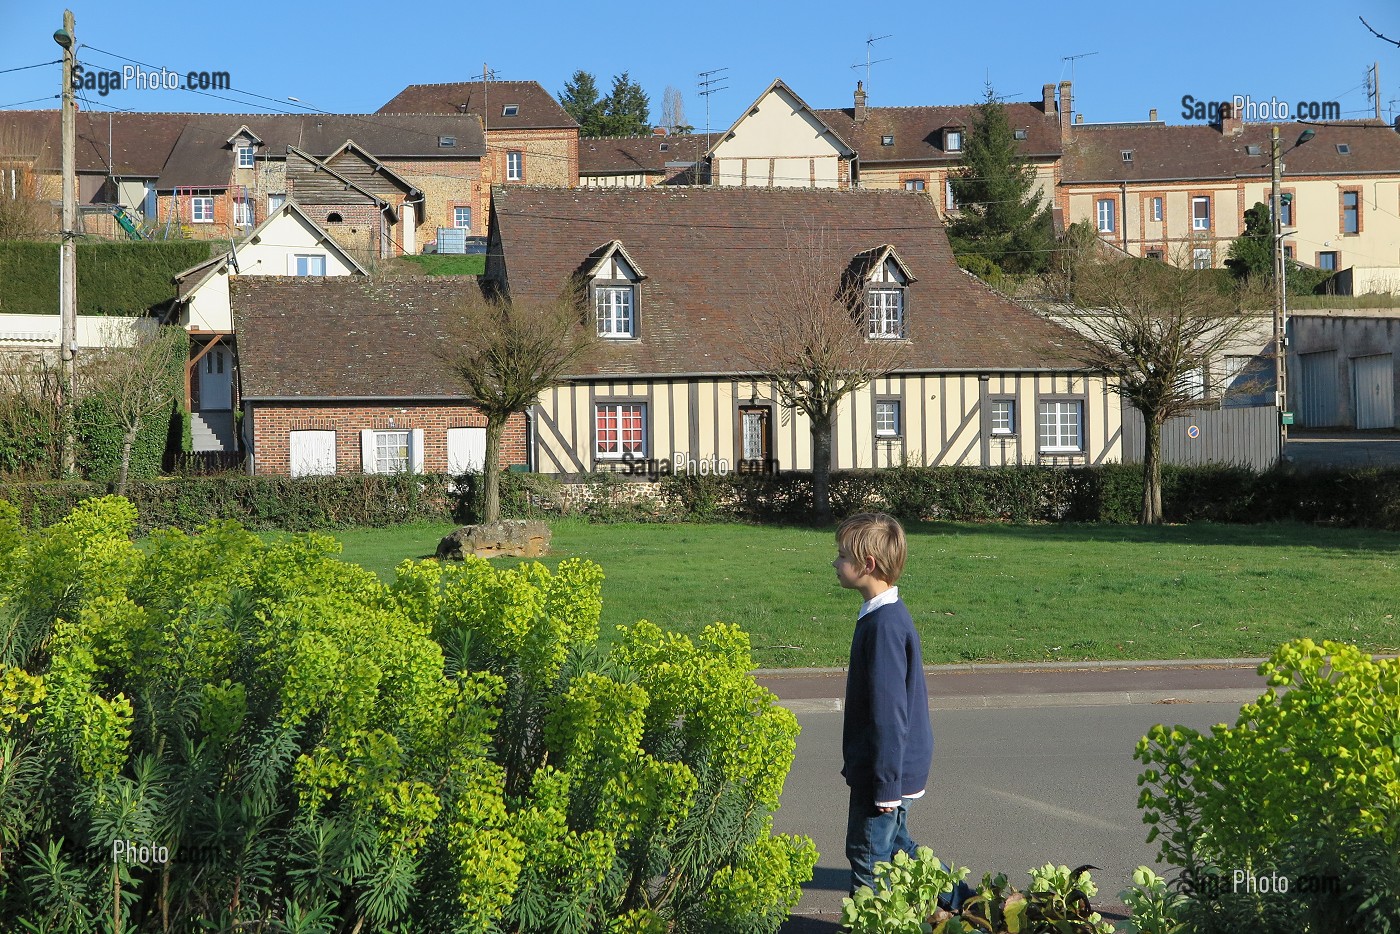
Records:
x=711, y=82
x=869, y=46
x=1072, y=59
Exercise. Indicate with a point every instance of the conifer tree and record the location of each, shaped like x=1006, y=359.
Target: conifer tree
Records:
x=1001, y=216
x=627, y=109
x=581, y=101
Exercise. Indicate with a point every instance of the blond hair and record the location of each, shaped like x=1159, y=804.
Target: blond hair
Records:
x=875, y=535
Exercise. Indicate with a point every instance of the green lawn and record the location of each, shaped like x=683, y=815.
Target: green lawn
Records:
x=443, y=264
x=986, y=592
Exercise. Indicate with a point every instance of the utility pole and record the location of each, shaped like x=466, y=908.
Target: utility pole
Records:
x=1280, y=287
x=68, y=255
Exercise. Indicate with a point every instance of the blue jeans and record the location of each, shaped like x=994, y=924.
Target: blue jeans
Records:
x=872, y=837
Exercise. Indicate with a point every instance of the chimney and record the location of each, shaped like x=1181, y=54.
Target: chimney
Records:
x=860, y=103
x=1078, y=118
x=1066, y=103
x=1231, y=123
x=1152, y=115
x=1047, y=99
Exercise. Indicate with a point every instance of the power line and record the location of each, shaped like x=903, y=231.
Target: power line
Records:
x=6, y=71
x=32, y=100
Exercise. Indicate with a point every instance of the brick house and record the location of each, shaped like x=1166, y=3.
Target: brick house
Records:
x=530, y=138
x=340, y=375
x=639, y=161
x=672, y=273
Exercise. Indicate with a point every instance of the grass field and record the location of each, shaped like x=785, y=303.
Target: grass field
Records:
x=989, y=593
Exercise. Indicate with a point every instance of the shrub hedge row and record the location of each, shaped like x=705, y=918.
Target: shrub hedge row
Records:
x=116, y=278
x=1368, y=498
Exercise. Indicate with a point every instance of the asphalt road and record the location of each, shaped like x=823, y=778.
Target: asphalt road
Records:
x=1030, y=766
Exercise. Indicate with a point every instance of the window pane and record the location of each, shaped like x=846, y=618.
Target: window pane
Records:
x=620, y=429
x=886, y=311
x=614, y=310
x=886, y=418
x=1060, y=426
x=462, y=218
x=1003, y=417
x=391, y=451
x=1200, y=213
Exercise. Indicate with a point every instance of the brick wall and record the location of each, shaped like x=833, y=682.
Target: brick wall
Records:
x=272, y=423
x=445, y=183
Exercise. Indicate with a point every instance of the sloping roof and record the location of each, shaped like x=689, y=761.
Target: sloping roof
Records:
x=780, y=85
x=188, y=281
x=345, y=337
x=918, y=131
x=201, y=157
x=634, y=155
x=537, y=108
x=139, y=142
x=707, y=250
x=1161, y=152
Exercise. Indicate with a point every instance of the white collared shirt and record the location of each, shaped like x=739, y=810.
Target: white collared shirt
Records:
x=874, y=603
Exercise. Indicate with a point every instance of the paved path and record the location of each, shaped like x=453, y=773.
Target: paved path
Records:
x=1032, y=764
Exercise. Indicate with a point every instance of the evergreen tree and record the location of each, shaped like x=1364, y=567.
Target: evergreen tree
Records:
x=1253, y=253
x=1001, y=216
x=580, y=99
x=627, y=109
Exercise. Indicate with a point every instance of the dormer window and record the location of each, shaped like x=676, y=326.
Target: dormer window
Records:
x=245, y=156
x=1020, y=132
x=447, y=142
x=510, y=110
x=886, y=286
x=1254, y=149
x=952, y=140
x=1127, y=157
x=614, y=282
x=887, y=140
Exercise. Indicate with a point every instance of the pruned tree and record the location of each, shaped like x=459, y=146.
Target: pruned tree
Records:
x=24, y=213
x=134, y=381
x=811, y=341
x=505, y=353
x=1150, y=327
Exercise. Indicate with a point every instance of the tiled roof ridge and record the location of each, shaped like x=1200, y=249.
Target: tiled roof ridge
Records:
x=665, y=189
x=448, y=84
x=660, y=139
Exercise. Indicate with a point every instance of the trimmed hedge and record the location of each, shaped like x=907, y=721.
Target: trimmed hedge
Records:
x=126, y=278
x=1364, y=498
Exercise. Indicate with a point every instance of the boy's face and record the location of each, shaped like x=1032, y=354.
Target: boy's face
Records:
x=849, y=572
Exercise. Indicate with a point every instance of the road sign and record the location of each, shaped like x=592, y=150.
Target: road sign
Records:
x=1193, y=432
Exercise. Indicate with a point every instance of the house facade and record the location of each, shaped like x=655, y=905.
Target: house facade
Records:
x=673, y=278
x=343, y=375
x=780, y=142
x=640, y=161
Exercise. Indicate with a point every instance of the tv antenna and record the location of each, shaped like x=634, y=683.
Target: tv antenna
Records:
x=1072, y=59
x=711, y=82
x=869, y=48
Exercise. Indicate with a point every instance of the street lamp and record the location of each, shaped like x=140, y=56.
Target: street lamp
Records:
x=1276, y=202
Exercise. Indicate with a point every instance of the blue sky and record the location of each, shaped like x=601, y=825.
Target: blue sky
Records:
x=354, y=55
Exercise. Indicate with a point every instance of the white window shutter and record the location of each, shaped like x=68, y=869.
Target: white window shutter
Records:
x=291, y=264
x=367, y=450
x=415, y=451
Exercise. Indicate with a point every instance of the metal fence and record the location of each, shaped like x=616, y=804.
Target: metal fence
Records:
x=1245, y=436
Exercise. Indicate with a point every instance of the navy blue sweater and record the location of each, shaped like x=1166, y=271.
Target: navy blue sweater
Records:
x=887, y=741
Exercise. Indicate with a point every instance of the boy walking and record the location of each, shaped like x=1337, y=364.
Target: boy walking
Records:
x=887, y=740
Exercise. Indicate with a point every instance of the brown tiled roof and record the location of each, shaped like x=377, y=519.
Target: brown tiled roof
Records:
x=537, y=107
x=628, y=155
x=708, y=250
x=918, y=131
x=139, y=142
x=345, y=337
x=203, y=157
x=1168, y=153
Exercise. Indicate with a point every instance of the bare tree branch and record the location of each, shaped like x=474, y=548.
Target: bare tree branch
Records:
x=1383, y=38
x=25, y=214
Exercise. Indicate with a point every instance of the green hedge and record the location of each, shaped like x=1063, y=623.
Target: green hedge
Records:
x=127, y=278
x=1367, y=498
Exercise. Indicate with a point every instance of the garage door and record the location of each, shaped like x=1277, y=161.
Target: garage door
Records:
x=466, y=450
x=1373, y=391
x=1315, y=397
x=313, y=453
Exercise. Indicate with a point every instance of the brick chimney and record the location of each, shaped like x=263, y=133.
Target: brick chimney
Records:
x=860, y=103
x=1047, y=99
x=1152, y=115
x=1066, y=103
x=1231, y=123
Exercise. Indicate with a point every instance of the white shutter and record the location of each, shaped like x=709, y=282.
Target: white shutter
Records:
x=367, y=450
x=291, y=264
x=466, y=450
x=415, y=451
x=312, y=453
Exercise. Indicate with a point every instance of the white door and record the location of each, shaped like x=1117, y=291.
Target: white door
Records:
x=216, y=380
x=313, y=453
x=466, y=450
x=1373, y=391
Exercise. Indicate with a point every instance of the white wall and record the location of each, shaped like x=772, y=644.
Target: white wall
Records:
x=778, y=140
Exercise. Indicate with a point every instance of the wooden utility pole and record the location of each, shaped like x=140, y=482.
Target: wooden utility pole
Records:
x=68, y=259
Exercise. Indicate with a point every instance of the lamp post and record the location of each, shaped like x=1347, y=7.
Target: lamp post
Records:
x=1276, y=202
x=68, y=251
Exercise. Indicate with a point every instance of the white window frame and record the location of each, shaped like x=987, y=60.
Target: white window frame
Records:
x=1107, y=215
x=1198, y=222
x=202, y=209
x=242, y=212
x=885, y=312
x=615, y=308
x=953, y=141
x=1157, y=209
x=1060, y=426
x=297, y=261
x=391, y=450
x=888, y=420
x=915, y=184
x=1202, y=257
x=457, y=218
x=245, y=157
x=606, y=448
x=515, y=166
x=949, y=202
x=275, y=202
x=1003, y=417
